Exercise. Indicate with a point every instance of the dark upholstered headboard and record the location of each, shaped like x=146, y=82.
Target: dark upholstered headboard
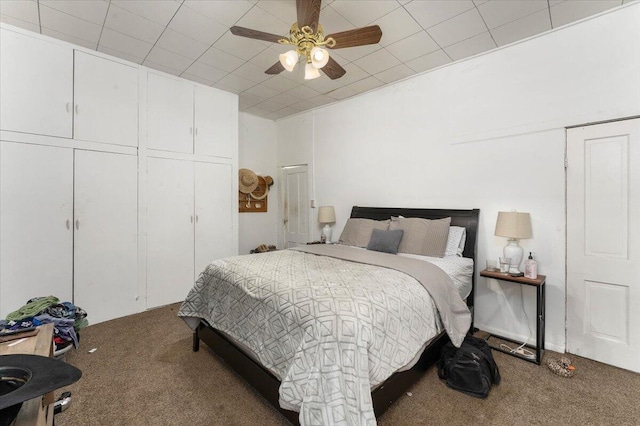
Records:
x=466, y=218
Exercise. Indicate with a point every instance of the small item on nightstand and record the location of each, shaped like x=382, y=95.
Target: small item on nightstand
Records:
x=516, y=274
x=531, y=268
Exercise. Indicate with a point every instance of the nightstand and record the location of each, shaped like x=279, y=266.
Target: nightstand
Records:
x=538, y=283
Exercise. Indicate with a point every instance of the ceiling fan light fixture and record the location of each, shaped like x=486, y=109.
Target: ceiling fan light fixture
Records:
x=310, y=72
x=289, y=59
x=319, y=57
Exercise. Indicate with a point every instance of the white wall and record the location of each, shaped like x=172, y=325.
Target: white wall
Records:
x=483, y=133
x=257, y=150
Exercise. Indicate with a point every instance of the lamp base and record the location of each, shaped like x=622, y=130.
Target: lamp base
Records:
x=513, y=251
x=326, y=233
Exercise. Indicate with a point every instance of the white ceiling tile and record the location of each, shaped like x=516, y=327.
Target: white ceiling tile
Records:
x=247, y=100
x=413, y=47
x=226, y=12
x=354, y=73
x=205, y=72
x=394, y=74
x=342, y=93
x=70, y=39
x=89, y=10
x=259, y=112
x=396, y=26
x=196, y=79
x=500, y=12
x=471, y=46
x=20, y=23
x=429, y=61
x=69, y=25
x=363, y=12
x=333, y=22
x=162, y=68
x=163, y=57
x=283, y=84
x=324, y=84
x=570, y=11
x=303, y=92
x=366, y=84
x=528, y=26
x=377, y=62
x=192, y=24
x=241, y=47
x=181, y=44
x=219, y=59
x=128, y=23
x=104, y=49
x=252, y=72
x=263, y=91
x=285, y=99
x=554, y=2
x=433, y=12
x=317, y=101
x=454, y=30
x=159, y=12
x=221, y=86
x=260, y=20
x=284, y=10
x=23, y=10
x=124, y=43
x=352, y=53
x=235, y=82
x=479, y=2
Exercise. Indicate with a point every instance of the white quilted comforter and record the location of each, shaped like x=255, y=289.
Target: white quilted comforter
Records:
x=330, y=329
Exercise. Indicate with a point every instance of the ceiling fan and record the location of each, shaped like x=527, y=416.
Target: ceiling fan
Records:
x=308, y=39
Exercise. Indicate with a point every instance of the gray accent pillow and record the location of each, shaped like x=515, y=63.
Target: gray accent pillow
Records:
x=425, y=237
x=385, y=241
x=357, y=232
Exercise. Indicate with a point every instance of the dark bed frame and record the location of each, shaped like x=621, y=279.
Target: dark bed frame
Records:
x=384, y=395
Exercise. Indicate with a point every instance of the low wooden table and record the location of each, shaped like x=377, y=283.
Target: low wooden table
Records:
x=36, y=411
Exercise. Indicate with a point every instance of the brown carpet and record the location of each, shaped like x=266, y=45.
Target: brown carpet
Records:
x=144, y=372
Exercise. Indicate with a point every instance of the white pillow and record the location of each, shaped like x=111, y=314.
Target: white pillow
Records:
x=455, y=241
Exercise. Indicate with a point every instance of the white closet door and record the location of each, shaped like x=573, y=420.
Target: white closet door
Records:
x=105, y=234
x=36, y=202
x=106, y=101
x=170, y=218
x=170, y=114
x=214, y=214
x=215, y=118
x=36, y=85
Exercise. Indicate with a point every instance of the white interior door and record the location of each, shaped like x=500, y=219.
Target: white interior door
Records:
x=603, y=243
x=36, y=202
x=170, y=230
x=36, y=85
x=170, y=114
x=106, y=100
x=296, y=205
x=105, y=235
x=214, y=216
x=214, y=122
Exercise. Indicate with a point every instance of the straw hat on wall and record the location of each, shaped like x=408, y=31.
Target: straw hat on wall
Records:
x=248, y=181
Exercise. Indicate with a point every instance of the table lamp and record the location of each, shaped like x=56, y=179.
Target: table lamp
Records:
x=326, y=215
x=514, y=226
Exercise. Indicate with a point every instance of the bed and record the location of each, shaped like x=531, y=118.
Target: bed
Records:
x=268, y=376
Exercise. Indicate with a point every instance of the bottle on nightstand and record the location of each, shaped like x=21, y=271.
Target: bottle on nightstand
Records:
x=530, y=268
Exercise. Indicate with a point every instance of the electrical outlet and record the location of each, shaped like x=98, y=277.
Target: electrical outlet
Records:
x=312, y=204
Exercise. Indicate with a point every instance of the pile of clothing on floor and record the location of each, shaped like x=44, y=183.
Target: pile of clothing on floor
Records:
x=67, y=318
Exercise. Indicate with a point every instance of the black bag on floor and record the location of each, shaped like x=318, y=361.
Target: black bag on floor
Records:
x=470, y=368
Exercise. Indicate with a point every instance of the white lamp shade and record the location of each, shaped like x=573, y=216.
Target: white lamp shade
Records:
x=513, y=225
x=311, y=72
x=319, y=57
x=289, y=59
x=326, y=214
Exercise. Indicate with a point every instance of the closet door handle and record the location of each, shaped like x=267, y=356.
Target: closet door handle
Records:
x=191, y=218
x=77, y=223
x=67, y=106
x=196, y=218
x=68, y=224
x=76, y=109
x=190, y=130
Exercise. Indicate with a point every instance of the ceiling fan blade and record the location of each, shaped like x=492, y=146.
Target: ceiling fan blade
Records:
x=357, y=37
x=258, y=35
x=308, y=13
x=333, y=69
x=276, y=68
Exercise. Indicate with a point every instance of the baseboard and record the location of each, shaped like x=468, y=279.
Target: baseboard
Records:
x=520, y=337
